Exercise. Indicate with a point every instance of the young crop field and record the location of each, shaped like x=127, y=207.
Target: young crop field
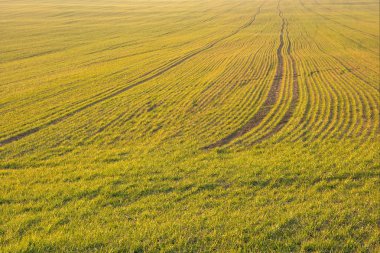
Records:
x=189, y=126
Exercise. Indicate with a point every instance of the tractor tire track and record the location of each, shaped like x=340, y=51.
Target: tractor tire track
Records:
x=115, y=93
x=268, y=103
x=293, y=103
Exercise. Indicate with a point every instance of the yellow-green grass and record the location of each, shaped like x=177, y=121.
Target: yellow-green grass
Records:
x=189, y=126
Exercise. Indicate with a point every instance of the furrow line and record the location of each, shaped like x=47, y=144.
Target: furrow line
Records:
x=268, y=103
x=337, y=22
x=122, y=90
x=294, y=102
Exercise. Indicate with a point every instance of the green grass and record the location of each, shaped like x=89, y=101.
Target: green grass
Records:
x=189, y=126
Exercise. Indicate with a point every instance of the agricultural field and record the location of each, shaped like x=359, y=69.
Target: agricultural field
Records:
x=189, y=126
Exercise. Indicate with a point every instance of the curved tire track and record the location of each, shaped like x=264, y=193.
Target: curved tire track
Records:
x=293, y=103
x=268, y=103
